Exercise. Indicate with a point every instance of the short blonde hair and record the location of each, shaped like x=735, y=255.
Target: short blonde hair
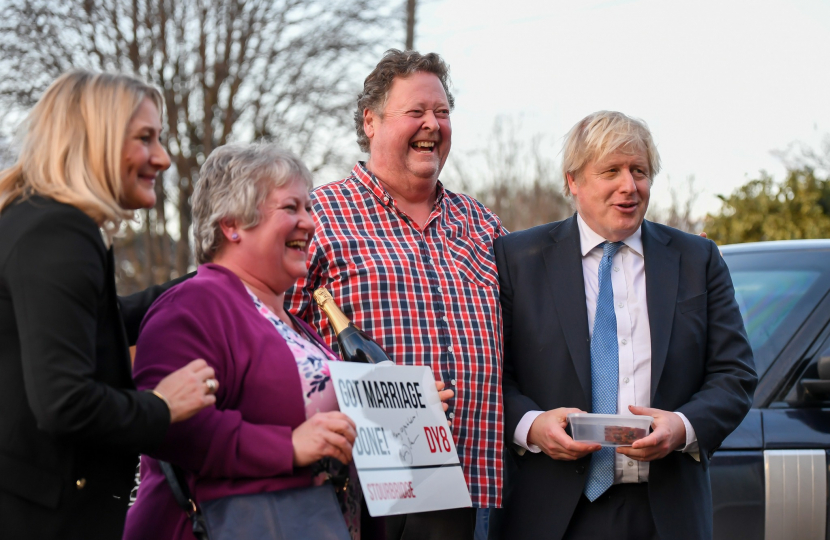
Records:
x=233, y=183
x=71, y=144
x=603, y=133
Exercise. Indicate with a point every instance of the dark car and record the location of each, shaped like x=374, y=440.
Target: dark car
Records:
x=770, y=476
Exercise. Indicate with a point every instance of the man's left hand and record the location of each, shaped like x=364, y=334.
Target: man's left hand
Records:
x=444, y=395
x=669, y=434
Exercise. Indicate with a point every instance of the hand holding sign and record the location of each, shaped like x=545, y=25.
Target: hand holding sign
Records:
x=444, y=395
x=329, y=434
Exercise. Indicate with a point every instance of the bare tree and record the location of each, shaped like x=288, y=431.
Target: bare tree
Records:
x=799, y=155
x=678, y=213
x=411, y=5
x=285, y=70
x=6, y=154
x=519, y=180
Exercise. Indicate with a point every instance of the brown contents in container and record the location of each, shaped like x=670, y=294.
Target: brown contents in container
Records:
x=623, y=435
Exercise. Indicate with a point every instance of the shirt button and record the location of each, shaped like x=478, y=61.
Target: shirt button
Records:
x=616, y=269
x=386, y=200
x=625, y=341
x=452, y=382
x=449, y=348
x=451, y=415
x=620, y=304
x=438, y=288
x=630, y=463
x=445, y=319
x=80, y=483
x=625, y=380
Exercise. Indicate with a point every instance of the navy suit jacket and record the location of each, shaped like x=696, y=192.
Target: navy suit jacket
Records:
x=701, y=365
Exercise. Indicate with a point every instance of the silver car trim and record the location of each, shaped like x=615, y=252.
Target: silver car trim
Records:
x=796, y=494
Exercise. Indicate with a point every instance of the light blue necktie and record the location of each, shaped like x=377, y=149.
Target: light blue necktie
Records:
x=605, y=369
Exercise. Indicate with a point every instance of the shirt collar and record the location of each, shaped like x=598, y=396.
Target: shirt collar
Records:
x=588, y=239
x=365, y=177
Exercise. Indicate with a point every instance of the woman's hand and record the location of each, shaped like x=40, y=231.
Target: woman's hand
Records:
x=329, y=434
x=444, y=395
x=187, y=390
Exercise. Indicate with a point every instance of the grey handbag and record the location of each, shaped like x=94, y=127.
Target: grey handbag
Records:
x=311, y=513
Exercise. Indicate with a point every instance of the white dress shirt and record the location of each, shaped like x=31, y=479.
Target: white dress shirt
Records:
x=628, y=281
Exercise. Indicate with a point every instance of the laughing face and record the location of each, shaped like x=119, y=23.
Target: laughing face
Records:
x=142, y=158
x=612, y=194
x=274, y=251
x=410, y=141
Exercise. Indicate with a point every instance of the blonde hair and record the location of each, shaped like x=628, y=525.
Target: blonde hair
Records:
x=233, y=183
x=603, y=133
x=71, y=144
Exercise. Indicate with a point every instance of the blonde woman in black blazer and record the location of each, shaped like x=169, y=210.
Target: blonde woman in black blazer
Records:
x=72, y=423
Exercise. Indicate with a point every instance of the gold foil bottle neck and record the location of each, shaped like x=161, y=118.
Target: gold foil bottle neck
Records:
x=338, y=320
x=321, y=296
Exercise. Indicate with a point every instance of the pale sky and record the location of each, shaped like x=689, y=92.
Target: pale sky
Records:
x=722, y=84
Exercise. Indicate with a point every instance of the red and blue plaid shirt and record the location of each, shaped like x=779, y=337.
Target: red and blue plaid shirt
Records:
x=428, y=296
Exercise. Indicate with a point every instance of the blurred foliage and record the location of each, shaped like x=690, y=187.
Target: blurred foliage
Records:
x=762, y=209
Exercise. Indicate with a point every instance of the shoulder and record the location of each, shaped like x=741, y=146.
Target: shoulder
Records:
x=338, y=202
x=40, y=229
x=531, y=238
x=477, y=214
x=36, y=213
x=336, y=192
x=213, y=293
x=691, y=245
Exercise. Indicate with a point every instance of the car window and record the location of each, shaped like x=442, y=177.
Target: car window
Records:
x=767, y=298
x=776, y=292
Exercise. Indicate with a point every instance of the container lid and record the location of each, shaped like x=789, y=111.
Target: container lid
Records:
x=611, y=417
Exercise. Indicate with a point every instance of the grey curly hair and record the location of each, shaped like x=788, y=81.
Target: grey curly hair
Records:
x=233, y=183
x=396, y=63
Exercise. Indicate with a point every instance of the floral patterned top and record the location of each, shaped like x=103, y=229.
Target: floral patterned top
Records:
x=319, y=396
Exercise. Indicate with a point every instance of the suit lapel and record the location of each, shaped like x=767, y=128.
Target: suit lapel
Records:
x=662, y=266
x=563, y=261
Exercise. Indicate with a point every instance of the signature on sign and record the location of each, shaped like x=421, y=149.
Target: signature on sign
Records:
x=405, y=452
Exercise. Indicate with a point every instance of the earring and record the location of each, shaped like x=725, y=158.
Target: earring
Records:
x=234, y=236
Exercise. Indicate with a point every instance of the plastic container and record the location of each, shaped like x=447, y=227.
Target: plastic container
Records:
x=609, y=429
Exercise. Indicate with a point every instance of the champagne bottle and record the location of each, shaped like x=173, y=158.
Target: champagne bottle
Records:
x=355, y=345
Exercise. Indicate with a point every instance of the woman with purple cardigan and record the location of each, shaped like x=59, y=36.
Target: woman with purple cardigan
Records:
x=276, y=411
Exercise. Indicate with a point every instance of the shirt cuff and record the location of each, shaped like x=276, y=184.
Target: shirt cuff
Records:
x=520, y=435
x=691, y=438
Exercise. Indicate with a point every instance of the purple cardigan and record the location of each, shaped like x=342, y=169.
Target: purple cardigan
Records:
x=243, y=445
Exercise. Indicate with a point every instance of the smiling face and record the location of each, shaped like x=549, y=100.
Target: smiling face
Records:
x=142, y=158
x=612, y=194
x=274, y=252
x=410, y=141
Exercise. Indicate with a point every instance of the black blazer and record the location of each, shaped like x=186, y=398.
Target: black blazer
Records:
x=701, y=365
x=71, y=422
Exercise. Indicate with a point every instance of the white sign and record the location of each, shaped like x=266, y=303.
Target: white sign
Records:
x=404, y=452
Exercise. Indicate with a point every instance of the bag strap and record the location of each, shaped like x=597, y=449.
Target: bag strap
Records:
x=304, y=332
x=181, y=492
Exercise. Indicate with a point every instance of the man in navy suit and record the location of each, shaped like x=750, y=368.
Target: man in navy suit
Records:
x=605, y=312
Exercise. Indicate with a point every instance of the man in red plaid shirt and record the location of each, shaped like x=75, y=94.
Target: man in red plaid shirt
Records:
x=412, y=264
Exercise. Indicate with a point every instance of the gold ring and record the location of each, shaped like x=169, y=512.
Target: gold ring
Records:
x=212, y=385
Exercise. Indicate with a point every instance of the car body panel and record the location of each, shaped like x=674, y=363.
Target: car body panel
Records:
x=770, y=476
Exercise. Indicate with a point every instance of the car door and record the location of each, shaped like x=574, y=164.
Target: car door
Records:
x=770, y=476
